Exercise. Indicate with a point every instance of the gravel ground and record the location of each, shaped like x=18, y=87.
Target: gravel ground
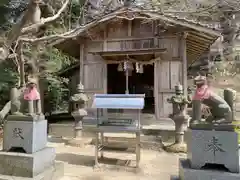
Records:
x=78, y=164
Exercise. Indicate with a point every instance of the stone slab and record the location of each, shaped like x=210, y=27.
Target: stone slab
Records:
x=26, y=165
x=25, y=118
x=54, y=172
x=29, y=135
x=213, y=147
x=216, y=127
x=186, y=173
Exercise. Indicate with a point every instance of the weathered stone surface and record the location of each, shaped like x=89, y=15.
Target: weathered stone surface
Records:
x=26, y=165
x=216, y=127
x=29, y=135
x=51, y=173
x=33, y=117
x=213, y=147
x=187, y=173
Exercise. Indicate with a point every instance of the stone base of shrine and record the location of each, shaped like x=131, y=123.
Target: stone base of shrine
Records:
x=187, y=173
x=54, y=172
x=26, y=165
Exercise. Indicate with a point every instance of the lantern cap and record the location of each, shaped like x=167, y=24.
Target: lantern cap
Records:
x=178, y=87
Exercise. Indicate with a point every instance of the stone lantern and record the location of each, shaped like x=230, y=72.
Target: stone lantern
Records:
x=179, y=116
x=79, y=112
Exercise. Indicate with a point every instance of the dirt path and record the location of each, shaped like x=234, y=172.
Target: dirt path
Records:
x=79, y=165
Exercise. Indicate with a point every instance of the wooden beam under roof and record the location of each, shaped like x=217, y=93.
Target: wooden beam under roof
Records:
x=193, y=53
x=196, y=47
x=197, y=44
x=131, y=52
x=208, y=37
x=192, y=49
x=199, y=38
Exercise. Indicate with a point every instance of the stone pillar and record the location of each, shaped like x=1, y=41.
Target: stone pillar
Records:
x=38, y=107
x=15, y=102
x=196, y=111
x=30, y=107
x=229, y=97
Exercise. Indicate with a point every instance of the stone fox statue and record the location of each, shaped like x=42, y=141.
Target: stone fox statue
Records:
x=219, y=108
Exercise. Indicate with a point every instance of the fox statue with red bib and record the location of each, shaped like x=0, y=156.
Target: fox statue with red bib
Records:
x=219, y=108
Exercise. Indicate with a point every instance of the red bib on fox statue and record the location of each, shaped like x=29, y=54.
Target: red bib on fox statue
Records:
x=31, y=93
x=203, y=91
x=32, y=96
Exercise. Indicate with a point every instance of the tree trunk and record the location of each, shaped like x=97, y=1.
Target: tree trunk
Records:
x=229, y=26
x=21, y=64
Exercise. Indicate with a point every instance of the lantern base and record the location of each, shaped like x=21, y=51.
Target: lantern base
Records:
x=78, y=142
x=176, y=148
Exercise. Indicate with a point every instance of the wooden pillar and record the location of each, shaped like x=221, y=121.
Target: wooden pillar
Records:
x=129, y=32
x=81, y=68
x=184, y=63
x=73, y=81
x=156, y=72
x=105, y=48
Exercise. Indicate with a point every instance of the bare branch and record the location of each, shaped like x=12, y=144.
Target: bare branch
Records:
x=18, y=29
x=66, y=35
x=46, y=20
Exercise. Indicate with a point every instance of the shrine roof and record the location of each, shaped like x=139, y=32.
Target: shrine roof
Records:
x=201, y=35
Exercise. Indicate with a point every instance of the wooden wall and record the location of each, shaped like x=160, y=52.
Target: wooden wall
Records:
x=167, y=75
x=95, y=76
x=135, y=35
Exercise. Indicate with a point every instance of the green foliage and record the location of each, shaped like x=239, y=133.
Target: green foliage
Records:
x=8, y=79
x=56, y=94
x=56, y=60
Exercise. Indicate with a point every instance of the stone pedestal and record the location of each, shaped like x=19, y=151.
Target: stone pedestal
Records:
x=26, y=165
x=54, y=172
x=210, y=148
x=25, y=154
x=30, y=135
x=213, y=147
x=188, y=173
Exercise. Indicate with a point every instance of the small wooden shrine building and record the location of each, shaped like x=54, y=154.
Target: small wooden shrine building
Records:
x=159, y=47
